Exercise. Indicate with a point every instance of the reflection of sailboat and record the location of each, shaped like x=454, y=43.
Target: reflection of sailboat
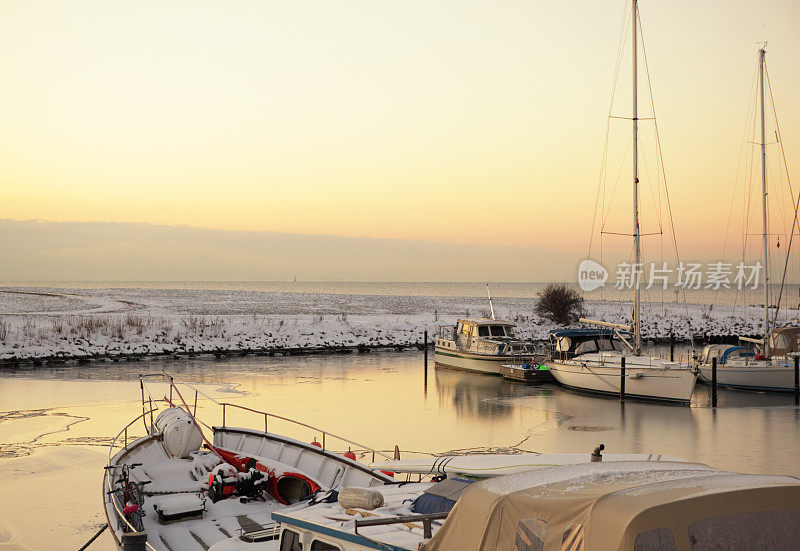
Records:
x=598, y=368
x=773, y=369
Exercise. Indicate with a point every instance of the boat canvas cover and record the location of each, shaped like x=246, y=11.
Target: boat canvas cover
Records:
x=785, y=340
x=606, y=506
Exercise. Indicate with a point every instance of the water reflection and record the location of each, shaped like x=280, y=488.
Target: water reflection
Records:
x=380, y=399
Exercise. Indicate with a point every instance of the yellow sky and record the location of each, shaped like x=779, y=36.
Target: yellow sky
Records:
x=381, y=119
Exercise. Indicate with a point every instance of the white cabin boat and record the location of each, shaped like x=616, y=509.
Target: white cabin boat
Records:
x=481, y=346
x=770, y=367
x=601, y=370
x=591, y=360
x=740, y=367
x=630, y=506
x=193, y=490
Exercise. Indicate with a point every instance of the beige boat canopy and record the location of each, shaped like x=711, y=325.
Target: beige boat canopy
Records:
x=640, y=506
x=784, y=340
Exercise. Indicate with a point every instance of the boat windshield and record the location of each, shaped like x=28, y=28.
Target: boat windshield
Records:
x=606, y=344
x=497, y=331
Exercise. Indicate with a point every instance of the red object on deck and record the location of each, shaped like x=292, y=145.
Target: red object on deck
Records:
x=315, y=443
x=350, y=455
x=388, y=473
x=130, y=509
x=284, y=487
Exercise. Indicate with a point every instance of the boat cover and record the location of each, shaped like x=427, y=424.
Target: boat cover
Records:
x=785, y=340
x=608, y=506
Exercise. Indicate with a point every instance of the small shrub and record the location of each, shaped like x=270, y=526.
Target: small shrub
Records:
x=560, y=303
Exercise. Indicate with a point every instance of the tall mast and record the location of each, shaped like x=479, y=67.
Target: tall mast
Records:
x=637, y=329
x=761, y=53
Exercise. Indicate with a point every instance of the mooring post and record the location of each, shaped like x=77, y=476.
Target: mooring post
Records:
x=622, y=379
x=134, y=541
x=671, y=346
x=425, y=338
x=713, y=382
x=797, y=380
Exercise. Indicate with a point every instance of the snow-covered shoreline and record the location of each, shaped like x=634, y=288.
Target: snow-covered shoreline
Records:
x=44, y=323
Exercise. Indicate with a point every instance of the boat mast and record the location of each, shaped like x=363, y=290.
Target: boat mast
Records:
x=761, y=52
x=637, y=329
x=490, y=300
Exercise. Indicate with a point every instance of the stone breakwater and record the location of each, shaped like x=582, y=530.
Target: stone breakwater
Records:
x=40, y=325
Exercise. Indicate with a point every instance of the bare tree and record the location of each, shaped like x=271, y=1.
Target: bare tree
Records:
x=560, y=303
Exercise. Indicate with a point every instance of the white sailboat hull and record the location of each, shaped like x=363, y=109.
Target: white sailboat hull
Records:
x=649, y=383
x=752, y=377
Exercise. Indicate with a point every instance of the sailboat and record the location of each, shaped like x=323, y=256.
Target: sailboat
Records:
x=610, y=356
x=772, y=368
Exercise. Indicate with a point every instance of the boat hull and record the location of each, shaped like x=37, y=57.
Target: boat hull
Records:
x=666, y=385
x=467, y=361
x=773, y=378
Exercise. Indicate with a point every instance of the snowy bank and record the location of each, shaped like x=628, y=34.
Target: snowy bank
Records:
x=40, y=323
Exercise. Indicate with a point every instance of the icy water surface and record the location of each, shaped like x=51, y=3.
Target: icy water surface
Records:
x=55, y=422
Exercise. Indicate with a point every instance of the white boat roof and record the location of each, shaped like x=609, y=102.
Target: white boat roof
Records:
x=607, y=505
x=331, y=520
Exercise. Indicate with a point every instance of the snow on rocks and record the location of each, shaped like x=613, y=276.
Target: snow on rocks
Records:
x=49, y=324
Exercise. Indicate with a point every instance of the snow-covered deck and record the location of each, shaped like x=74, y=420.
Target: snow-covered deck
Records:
x=330, y=519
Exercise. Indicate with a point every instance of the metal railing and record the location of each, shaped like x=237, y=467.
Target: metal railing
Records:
x=113, y=450
x=324, y=435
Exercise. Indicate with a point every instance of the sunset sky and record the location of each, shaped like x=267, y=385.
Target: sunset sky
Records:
x=470, y=123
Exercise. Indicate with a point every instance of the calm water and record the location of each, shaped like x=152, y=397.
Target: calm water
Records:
x=55, y=422
x=513, y=289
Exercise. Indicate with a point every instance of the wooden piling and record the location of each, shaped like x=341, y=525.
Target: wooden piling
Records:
x=797, y=380
x=622, y=379
x=671, y=346
x=713, y=382
x=425, y=338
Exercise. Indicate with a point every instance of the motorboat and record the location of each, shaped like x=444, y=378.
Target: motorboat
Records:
x=481, y=346
x=658, y=506
x=189, y=486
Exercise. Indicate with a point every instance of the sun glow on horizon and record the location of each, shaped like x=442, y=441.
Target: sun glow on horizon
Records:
x=479, y=124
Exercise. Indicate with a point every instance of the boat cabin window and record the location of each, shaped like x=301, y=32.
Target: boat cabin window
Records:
x=317, y=545
x=586, y=346
x=290, y=541
x=605, y=344
x=530, y=535
x=563, y=344
x=777, y=530
x=483, y=331
x=657, y=539
x=465, y=329
x=497, y=331
x=509, y=331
